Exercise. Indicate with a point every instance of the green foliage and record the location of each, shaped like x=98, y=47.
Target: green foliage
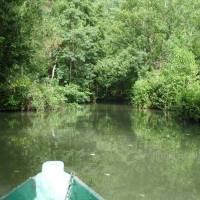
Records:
x=80, y=35
x=162, y=89
x=49, y=96
x=73, y=94
x=144, y=51
x=115, y=74
x=189, y=105
x=110, y=70
x=25, y=94
x=41, y=40
x=151, y=30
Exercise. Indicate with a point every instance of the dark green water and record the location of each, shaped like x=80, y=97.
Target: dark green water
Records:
x=121, y=153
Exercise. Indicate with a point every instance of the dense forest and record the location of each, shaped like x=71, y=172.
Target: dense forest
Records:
x=143, y=52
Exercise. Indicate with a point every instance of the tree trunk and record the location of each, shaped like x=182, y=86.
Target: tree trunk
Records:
x=70, y=71
x=53, y=72
x=54, y=69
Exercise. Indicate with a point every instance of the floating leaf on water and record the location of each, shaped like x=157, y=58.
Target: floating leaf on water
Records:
x=142, y=195
x=168, y=136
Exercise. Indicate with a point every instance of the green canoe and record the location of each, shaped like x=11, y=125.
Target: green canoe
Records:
x=53, y=184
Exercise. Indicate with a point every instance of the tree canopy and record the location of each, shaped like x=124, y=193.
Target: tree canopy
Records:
x=145, y=52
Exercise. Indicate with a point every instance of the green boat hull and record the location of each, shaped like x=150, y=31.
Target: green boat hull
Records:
x=80, y=191
x=77, y=191
x=25, y=191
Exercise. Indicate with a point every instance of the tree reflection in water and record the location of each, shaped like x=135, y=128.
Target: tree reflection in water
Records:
x=120, y=152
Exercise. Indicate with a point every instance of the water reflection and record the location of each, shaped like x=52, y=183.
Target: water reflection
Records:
x=121, y=153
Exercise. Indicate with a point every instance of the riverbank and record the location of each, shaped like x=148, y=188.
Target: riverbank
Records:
x=175, y=87
x=173, y=114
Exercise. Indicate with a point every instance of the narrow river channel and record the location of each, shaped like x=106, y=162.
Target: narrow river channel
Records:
x=121, y=153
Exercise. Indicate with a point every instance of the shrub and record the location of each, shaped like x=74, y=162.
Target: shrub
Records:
x=34, y=100
x=16, y=92
x=74, y=94
x=162, y=89
x=189, y=104
x=157, y=91
x=25, y=94
x=141, y=93
x=53, y=95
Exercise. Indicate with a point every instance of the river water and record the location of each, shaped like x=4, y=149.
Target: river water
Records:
x=121, y=153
